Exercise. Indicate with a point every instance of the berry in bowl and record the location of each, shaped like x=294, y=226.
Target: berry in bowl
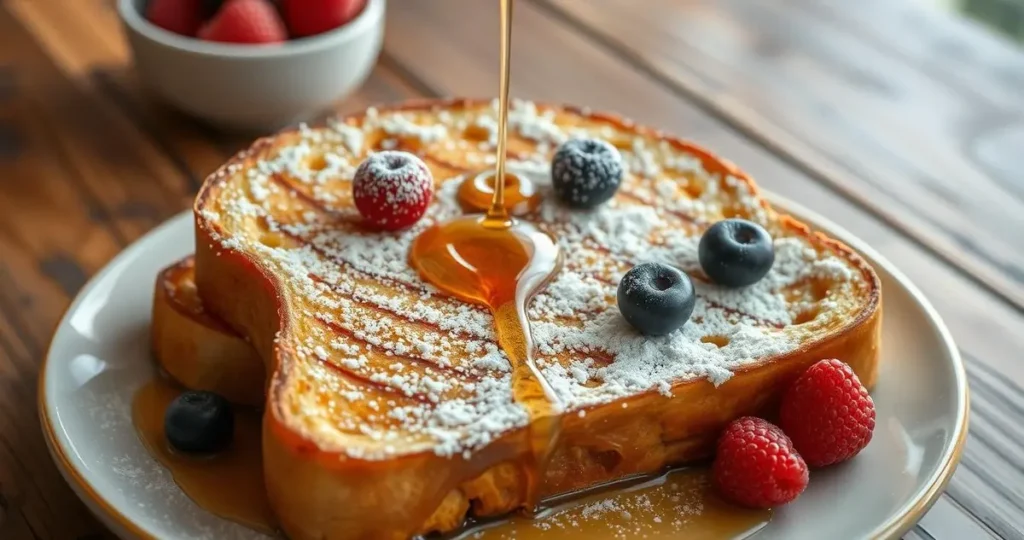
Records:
x=253, y=65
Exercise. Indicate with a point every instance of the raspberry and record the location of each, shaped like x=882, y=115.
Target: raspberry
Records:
x=311, y=17
x=756, y=465
x=392, y=189
x=828, y=414
x=179, y=16
x=246, y=21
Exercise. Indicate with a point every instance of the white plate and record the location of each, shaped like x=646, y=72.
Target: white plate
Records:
x=100, y=355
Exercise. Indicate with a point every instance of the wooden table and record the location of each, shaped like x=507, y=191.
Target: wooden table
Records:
x=902, y=124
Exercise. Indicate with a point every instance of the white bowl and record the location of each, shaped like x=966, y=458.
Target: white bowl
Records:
x=254, y=87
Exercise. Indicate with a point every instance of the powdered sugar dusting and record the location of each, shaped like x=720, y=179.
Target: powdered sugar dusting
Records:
x=433, y=361
x=400, y=178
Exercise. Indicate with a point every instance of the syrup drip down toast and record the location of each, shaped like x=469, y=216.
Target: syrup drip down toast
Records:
x=389, y=409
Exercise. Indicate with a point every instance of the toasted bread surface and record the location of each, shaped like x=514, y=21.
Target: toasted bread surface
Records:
x=389, y=410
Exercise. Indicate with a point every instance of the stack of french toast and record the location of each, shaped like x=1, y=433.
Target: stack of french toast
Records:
x=387, y=405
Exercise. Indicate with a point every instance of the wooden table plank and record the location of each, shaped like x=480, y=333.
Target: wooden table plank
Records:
x=957, y=53
x=53, y=234
x=948, y=520
x=44, y=218
x=422, y=34
x=131, y=183
x=77, y=36
x=958, y=56
x=872, y=127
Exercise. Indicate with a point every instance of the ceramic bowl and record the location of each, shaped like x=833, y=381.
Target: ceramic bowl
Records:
x=254, y=87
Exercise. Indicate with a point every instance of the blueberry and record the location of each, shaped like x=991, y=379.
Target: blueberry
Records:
x=736, y=252
x=199, y=422
x=586, y=172
x=656, y=298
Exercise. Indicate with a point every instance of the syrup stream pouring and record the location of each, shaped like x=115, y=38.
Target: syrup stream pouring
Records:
x=500, y=261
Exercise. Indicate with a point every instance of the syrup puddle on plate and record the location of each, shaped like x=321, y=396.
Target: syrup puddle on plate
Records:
x=676, y=505
x=228, y=484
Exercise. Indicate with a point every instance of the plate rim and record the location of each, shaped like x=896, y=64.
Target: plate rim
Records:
x=895, y=527
x=926, y=497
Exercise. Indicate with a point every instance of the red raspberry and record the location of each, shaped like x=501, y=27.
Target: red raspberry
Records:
x=311, y=17
x=756, y=465
x=246, y=21
x=392, y=189
x=179, y=16
x=828, y=414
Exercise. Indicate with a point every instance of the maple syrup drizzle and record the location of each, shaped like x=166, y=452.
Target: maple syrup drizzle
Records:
x=499, y=261
x=498, y=204
x=228, y=484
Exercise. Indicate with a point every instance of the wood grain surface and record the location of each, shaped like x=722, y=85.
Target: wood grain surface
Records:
x=901, y=124
x=820, y=85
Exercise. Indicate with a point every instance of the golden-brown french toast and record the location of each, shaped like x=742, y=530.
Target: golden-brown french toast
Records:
x=389, y=410
x=197, y=349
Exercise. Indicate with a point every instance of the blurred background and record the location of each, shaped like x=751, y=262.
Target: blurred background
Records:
x=1003, y=16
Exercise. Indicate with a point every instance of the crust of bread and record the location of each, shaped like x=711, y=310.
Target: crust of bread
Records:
x=195, y=348
x=327, y=494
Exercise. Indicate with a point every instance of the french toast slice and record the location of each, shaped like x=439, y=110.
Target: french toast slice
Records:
x=389, y=409
x=195, y=348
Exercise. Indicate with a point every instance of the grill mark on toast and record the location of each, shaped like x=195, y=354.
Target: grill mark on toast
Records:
x=371, y=305
x=630, y=194
x=413, y=288
x=622, y=189
x=462, y=169
x=601, y=357
x=362, y=379
x=444, y=163
x=416, y=289
x=710, y=303
x=343, y=264
x=317, y=205
x=740, y=313
x=441, y=371
x=694, y=273
x=454, y=371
